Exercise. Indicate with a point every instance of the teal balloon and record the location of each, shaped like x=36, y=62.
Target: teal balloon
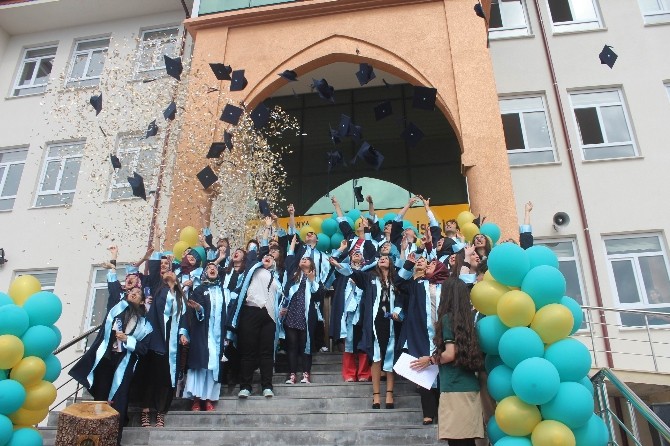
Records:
x=39, y=341
x=491, y=362
x=586, y=382
x=570, y=357
x=491, y=230
x=353, y=214
x=499, y=383
x=3, y=374
x=541, y=255
x=576, y=310
x=5, y=299
x=493, y=430
x=519, y=343
x=335, y=240
x=572, y=405
x=323, y=243
x=56, y=330
x=509, y=264
x=334, y=215
x=389, y=216
x=14, y=320
x=53, y=368
x=43, y=308
x=406, y=224
x=535, y=381
x=6, y=430
x=514, y=441
x=329, y=227
x=593, y=433
x=545, y=285
x=12, y=396
x=26, y=437
x=489, y=331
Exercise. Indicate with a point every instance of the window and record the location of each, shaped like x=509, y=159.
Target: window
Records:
x=47, y=277
x=87, y=63
x=34, y=71
x=603, y=125
x=11, y=169
x=638, y=269
x=574, y=15
x=507, y=19
x=97, y=299
x=135, y=156
x=527, y=133
x=655, y=11
x=59, y=174
x=154, y=44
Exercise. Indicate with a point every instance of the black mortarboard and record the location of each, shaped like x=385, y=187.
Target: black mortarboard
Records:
x=170, y=111
x=325, y=91
x=335, y=136
x=137, y=185
x=231, y=114
x=173, y=67
x=289, y=75
x=370, y=155
x=260, y=116
x=424, y=98
x=412, y=134
x=356, y=131
x=221, y=71
x=358, y=193
x=334, y=158
x=216, y=149
x=607, y=56
x=207, y=177
x=479, y=10
x=228, y=140
x=343, y=128
x=239, y=82
x=116, y=162
x=96, y=102
x=264, y=207
x=383, y=110
x=152, y=130
x=365, y=73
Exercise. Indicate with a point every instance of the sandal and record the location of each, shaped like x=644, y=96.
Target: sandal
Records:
x=209, y=407
x=145, y=421
x=375, y=405
x=196, y=405
x=390, y=405
x=427, y=421
x=160, y=419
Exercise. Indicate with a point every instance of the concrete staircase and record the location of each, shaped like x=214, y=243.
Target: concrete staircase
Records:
x=326, y=412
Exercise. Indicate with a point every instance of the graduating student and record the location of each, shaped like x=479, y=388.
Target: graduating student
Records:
x=207, y=240
x=190, y=270
x=356, y=240
x=307, y=249
x=398, y=234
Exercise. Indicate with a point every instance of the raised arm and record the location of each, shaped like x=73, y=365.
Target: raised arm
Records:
x=526, y=230
x=371, y=207
x=336, y=205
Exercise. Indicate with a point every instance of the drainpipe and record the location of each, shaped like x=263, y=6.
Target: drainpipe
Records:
x=578, y=190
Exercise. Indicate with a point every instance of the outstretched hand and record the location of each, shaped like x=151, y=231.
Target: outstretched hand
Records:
x=334, y=263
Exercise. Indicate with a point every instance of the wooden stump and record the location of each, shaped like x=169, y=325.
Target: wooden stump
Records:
x=93, y=423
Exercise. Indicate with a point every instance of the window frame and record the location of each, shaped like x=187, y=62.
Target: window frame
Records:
x=38, y=60
x=140, y=73
x=506, y=32
x=656, y=17
x=36, y=272
x=90, y=300
x=83, y=81
x=63, y=160
x=150, y=178
x=5, y=172
x=576, y=25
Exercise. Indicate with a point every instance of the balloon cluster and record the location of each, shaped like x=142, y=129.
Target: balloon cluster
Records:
x=188, y=238
x=536, y=372
x=28, y=367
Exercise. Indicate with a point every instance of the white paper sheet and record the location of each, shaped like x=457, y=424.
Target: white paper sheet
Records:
x=425, y=378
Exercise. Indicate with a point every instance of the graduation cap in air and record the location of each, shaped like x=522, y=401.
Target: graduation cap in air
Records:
x=207, y=177
x=96, y=102
x=216, y=149
x=335, y=136
x=334, y=158
x=383, y=110
x=228, y=140
x=343, y=127
x=358, y=193
x=173, y=67
x=221, y=71
x=231, y=114
x=356, y=131
x=170, y=111
x=424, y=98
x=289, y=75
x=152, y=129
x=370, y=155
x=116, y=162
x=260, y=116
x=479, y=10
x=137, y=185
x=324, y=90
x=239, y=82
x=412, y=134
x=365, y=73
x=264, y=207
x=607, y=56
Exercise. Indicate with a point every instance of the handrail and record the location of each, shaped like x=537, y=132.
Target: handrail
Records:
x=75, y=340
x=626, y=310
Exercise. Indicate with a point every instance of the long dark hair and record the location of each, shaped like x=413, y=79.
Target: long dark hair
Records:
x=390, y=277
x=483, y=252
x=459, y=258
x=456, y=306
x=179, y=296
x=228, y=269
x=132, y=310
x=298, y=272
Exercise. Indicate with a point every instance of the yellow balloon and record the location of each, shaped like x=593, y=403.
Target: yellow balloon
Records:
x=517, y=418
x=553, y=322
x=179, y=248
x=29, y=417
x=40, y=396
x=552, y=433
x=463, y=218
x=316, y=222
x=29, y=371
x=488, y=276
x=22, y=288
x=11, y=351
x=304, y=230
x=516, y=309
x=189, y=235
x=485, y=296
x=469, y=230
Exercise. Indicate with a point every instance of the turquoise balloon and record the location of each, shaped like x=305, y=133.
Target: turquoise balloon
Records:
x=509, y=264
x=5, y=299
x=513, y=441
x=335, y=240
x=541, y=255
x=493, y=430
x=12, y=396
x=3, y=374
x=43, y=308
x=593, y=433
x=353, y=214
x=6, y=430
x=586, y=382
x=323, y=243
x=535, y=381
x=334, y=215
x=406, y=224
x=519, y=343
x=499, y=383
x=570, y=357
x=329, y=226
x=389, y=216
x=489, y=331
x=491, y=230
x=572, y=405
x=39, y=341
x=26, y=437
x=56, y=330
x=14, y=320
x=491, y=362
x=576, y=310
x=545, y=284
x=53, y=368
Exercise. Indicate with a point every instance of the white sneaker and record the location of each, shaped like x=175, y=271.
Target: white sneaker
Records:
x=244, y=393
x=305, y=378
x=268, y=393
x=324, y=349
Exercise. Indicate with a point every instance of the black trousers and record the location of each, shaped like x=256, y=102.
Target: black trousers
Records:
x=295, y=347
x=154, y=382
x=429, y=401
x=255, y=343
